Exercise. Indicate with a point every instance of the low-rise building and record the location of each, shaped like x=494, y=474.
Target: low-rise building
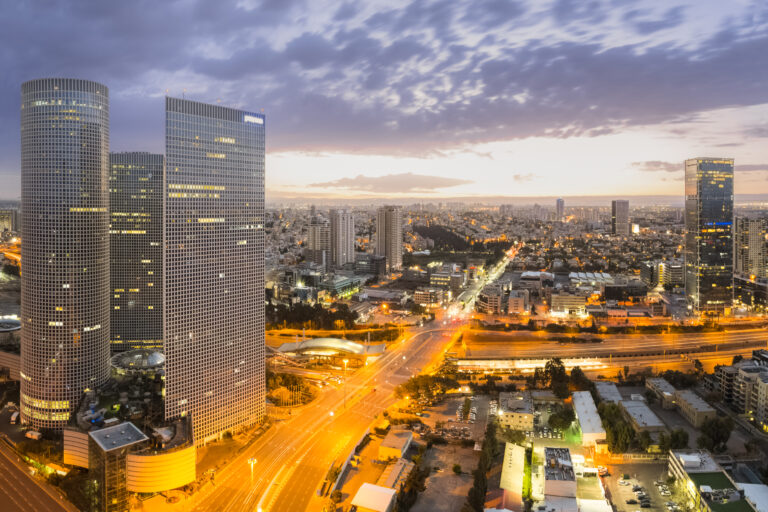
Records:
x=516, y=411
x=489, y=300
x=568, y=303
x=663, y=390
x=693, y=407
x=429, y=298
x=608, y=392
x=395, y=444
x=704, y=484
x=374, y=498
x=395, y=474
x=642, y=418
x=518, y=301
x=591, y=425
x=559, y=476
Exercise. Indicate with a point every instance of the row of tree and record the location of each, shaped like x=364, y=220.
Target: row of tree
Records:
x=301, y=315
x=490, y=449
x=426, y=387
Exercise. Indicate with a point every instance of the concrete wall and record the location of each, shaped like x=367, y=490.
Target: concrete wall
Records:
x=76, y=448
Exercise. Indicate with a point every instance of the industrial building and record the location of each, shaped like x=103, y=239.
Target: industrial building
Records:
x=591, y=425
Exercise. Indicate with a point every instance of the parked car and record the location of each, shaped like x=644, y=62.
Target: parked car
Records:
x=631, y=502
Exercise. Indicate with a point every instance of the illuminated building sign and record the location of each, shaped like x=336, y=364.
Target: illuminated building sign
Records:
x=252, y=119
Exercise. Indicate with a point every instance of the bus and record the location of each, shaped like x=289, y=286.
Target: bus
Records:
x=15, y=418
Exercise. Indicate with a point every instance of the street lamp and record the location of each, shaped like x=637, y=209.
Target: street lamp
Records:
x=345, y=382
x=252, y=461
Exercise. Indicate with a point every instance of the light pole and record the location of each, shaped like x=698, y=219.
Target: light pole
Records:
x=345, y=382
x=252, y=461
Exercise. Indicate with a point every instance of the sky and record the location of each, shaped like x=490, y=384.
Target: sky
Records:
x=422, y=99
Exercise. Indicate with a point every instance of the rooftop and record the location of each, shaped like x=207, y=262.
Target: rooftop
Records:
x=397, y=439
x=516, y=402
x=694, y=400
x=716, y=480
x=586, y=413
x=558, y=465
x=662, y=385
x=641, y=414
x=608, y=392
x=374, y=497
x=118, y=436
x=696, y=461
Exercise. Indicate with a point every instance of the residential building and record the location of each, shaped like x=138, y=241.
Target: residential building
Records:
x=620, y=217
x=516, y=411
x=489, y=300
x=136, y=189
x=693, y=407
x=214, y=264
x=319, y=242
x=709, y=235
x=649, y=273
x=704, y=484
x=65, y=228
x=389, y=236
x=749, y=247
x=9, y=220
x=518, y=302
x=342, y=238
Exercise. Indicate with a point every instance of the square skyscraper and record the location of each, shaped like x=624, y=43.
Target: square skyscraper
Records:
x=214, y=266
x=709, y=234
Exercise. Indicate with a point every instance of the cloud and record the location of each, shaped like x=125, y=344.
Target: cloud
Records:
x=520, y=178
x=752, y=167
x=393, y=183
x=658, y=165
x=672, y=18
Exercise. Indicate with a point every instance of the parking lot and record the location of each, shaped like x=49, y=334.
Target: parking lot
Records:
x=645, y=483
x=447, y=415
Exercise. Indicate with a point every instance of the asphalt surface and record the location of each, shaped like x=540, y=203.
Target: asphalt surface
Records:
x=19, y=491
x=293, y=457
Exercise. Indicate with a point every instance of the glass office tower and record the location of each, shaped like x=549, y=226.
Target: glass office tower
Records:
x=620, y=217
x=65, y=249
x=709, y=235
x=136, y=186
x=214, y=266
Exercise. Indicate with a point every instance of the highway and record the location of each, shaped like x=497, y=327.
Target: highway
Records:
x=525, y=345
x=20, y=492
x=294, y=456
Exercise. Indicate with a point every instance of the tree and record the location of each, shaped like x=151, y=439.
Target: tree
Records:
x=336, y=496
x=466, y=408
x=679, y=439
x=562, y=419
x=457, y=469
x=579, y=381
x=513, y=436
x=644, y=440
x=737, y=359
x=715, y=434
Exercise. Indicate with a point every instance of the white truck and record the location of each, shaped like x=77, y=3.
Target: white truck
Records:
x=33, y=434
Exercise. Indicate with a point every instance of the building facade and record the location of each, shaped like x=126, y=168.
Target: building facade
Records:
x=709, y=234
x=620, y=217
x=749, y=247
x=65, y=228
x=389, y=236
x=136, y=190
x=342, y=238
x=319, y=241
x=214, y=266
x=559, y=209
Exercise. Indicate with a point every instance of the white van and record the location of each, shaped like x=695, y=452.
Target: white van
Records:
x=15, y=418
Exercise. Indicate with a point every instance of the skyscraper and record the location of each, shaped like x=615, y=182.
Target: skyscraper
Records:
x=620, y=217
x=559, y=209
x=709, y=234
x=136, y=189
x=214, y=266
x=749, y=247
x=342, y=237
x=389, y=236
x=319, y=241
x=65, y=228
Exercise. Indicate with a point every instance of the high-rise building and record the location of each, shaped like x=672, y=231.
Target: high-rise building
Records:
x=214, y=267
x=709, y=234
x=342, y=237
x=749, y=247
x=9, y=220
x=559, y=209
x=65, y=228
x=136, y=189
x=620, y=217
x=319, y=241
x=389, y=236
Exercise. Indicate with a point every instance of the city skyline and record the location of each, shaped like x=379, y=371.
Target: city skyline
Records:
x=398, y=101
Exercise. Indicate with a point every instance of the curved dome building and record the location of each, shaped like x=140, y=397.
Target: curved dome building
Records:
x=65, y=228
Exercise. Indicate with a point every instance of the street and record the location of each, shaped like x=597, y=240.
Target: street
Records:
x=19, y=491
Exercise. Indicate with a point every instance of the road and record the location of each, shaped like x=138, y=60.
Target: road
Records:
x=19, y=492
x=294, y=456
x=524, y=345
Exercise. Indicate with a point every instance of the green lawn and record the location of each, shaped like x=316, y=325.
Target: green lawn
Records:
x=715, y=479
